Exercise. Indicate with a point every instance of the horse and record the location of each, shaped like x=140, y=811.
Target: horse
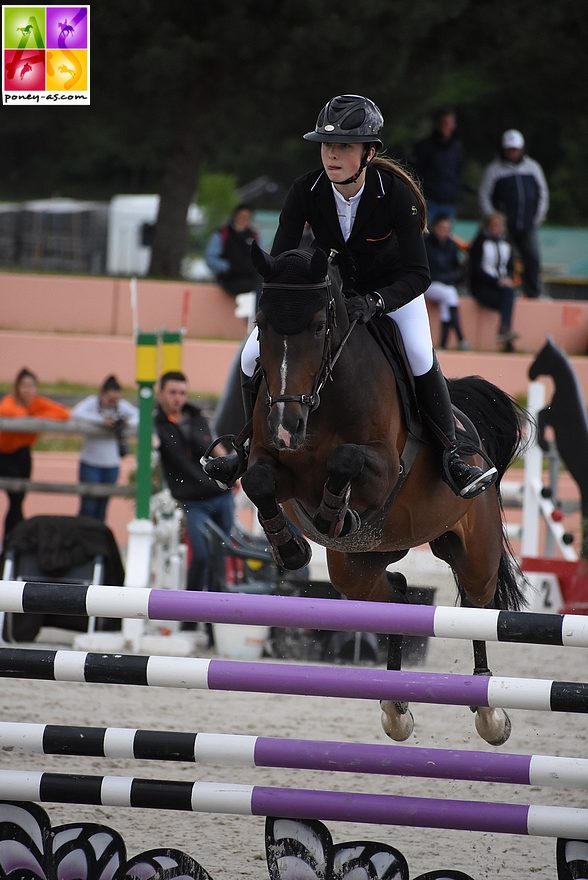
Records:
x=331, y=458
x=65, y=29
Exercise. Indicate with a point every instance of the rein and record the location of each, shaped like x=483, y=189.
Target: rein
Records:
x=313, y=399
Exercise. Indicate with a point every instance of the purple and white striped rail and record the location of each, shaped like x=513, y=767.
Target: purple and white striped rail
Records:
x=236, y=750
x=302, y=680
x=256, y=800
x=295, y=611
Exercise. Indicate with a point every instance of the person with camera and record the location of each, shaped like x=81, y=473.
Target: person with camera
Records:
x=101, y=455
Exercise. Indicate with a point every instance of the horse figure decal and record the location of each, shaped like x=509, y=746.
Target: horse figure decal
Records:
x=566, y=414
x=331, y=453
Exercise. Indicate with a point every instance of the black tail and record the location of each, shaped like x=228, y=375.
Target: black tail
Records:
x=499, y=420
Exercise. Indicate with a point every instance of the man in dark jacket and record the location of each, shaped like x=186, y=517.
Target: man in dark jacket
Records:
x=515, y=185
x=438, y=161
x=228, y=253
x=184, y=435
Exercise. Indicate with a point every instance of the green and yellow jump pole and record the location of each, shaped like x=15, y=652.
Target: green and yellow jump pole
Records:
x=140, y=530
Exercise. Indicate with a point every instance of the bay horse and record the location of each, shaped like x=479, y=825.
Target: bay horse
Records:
x=331, y=457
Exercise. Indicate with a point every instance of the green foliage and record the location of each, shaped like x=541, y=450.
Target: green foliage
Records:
x=217, y=196
x=231, y=88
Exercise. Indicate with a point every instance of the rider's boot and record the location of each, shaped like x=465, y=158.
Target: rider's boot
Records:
x=467, y=480
x=227, y=469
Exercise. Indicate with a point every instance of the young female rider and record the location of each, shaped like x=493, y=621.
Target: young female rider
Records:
x=371, y=212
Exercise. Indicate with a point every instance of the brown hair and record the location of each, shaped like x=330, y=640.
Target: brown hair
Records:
x=388, y=164
x=25, y=373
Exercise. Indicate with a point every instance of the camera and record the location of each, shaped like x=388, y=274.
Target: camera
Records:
x=119, y=429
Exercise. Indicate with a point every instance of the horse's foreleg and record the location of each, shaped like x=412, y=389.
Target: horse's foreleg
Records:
x=290, y=550
x=334, y=517
x=397, y=719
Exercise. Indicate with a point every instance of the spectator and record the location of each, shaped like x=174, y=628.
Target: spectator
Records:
x=101, y=456
x=446, y=267
x=15, y=448
x=228, y=253
x=491, y=275
x=438, y=161
x=184, y=435
x=515, y=185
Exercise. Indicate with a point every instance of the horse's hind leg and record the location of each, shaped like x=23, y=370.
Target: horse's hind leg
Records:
x=397, y=719
x=476, y=568
x=363, y=576
x=493, y=725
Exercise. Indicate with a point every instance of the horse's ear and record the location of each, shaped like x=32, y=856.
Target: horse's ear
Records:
x=264, y=263
x=319, y=265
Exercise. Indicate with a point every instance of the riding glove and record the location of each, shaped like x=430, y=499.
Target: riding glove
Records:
x=364, y=308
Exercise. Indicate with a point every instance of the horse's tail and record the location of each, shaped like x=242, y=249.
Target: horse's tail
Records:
x=499, y=420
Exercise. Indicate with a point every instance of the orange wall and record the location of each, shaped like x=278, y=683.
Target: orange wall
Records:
x=79, y=329
x=70, y=304
x=101, y=306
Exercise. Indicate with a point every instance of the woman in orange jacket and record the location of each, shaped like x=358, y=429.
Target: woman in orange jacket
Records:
x=15, y=448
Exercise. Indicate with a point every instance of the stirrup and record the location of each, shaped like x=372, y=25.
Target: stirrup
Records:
x=481, y=482
x=240, y=465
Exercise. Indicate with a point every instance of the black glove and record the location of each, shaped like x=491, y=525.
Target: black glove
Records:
x=363, y=308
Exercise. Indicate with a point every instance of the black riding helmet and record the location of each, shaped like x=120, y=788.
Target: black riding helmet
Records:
x=348, y=119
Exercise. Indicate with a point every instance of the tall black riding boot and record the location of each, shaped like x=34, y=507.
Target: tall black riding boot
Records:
x=227, y=469
x=465, y=479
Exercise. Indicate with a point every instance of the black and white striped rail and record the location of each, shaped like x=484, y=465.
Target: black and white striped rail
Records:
x=294, y=611
x=235, y=750
x=256, y=800
x=302, y=680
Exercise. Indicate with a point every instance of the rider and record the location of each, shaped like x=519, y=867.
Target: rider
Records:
x=372, y=213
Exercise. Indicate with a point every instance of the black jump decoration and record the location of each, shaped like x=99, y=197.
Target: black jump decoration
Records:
x=566, y=414
x=296, y=849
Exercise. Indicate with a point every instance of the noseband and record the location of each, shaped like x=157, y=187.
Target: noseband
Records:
x=312, y=400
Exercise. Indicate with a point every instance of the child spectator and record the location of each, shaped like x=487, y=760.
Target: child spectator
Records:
x=491, y=275
x=446, y=267
x=15, y=448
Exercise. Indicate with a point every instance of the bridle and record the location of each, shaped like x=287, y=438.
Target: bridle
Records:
x=328, y=360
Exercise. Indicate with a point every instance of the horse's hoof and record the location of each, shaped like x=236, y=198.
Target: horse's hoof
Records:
x=493, y=725
x=397, y=725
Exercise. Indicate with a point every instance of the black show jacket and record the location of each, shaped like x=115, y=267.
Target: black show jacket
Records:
x=385, y=251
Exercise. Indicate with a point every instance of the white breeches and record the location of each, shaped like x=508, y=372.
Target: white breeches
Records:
x=444, y=294
x=413, y=322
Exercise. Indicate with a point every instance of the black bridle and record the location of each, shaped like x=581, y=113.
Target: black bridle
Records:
x=328, y=361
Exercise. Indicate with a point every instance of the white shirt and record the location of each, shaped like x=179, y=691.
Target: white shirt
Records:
x=102, y=451
x=346, y=210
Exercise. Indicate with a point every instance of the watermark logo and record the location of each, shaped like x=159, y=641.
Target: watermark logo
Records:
x=46, y=55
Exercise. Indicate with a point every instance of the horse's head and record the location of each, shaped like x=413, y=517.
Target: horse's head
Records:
x=546, y=360
x=295, y=321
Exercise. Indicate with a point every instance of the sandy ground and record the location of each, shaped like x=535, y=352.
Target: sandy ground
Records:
x=232, y=846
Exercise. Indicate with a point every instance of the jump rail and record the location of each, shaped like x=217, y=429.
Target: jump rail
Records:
x=294, y=611
x=256, y=800
x=301, y=680
x=235, y=750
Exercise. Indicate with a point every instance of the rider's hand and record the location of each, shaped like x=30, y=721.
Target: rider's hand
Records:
x=363, y=308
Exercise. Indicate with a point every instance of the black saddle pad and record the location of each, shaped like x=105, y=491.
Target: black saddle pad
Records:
x=387, y=335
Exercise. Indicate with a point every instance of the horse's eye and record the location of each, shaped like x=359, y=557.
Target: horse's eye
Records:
x=320, y=328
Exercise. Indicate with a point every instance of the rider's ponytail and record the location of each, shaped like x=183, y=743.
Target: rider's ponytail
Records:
x=395, y=168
